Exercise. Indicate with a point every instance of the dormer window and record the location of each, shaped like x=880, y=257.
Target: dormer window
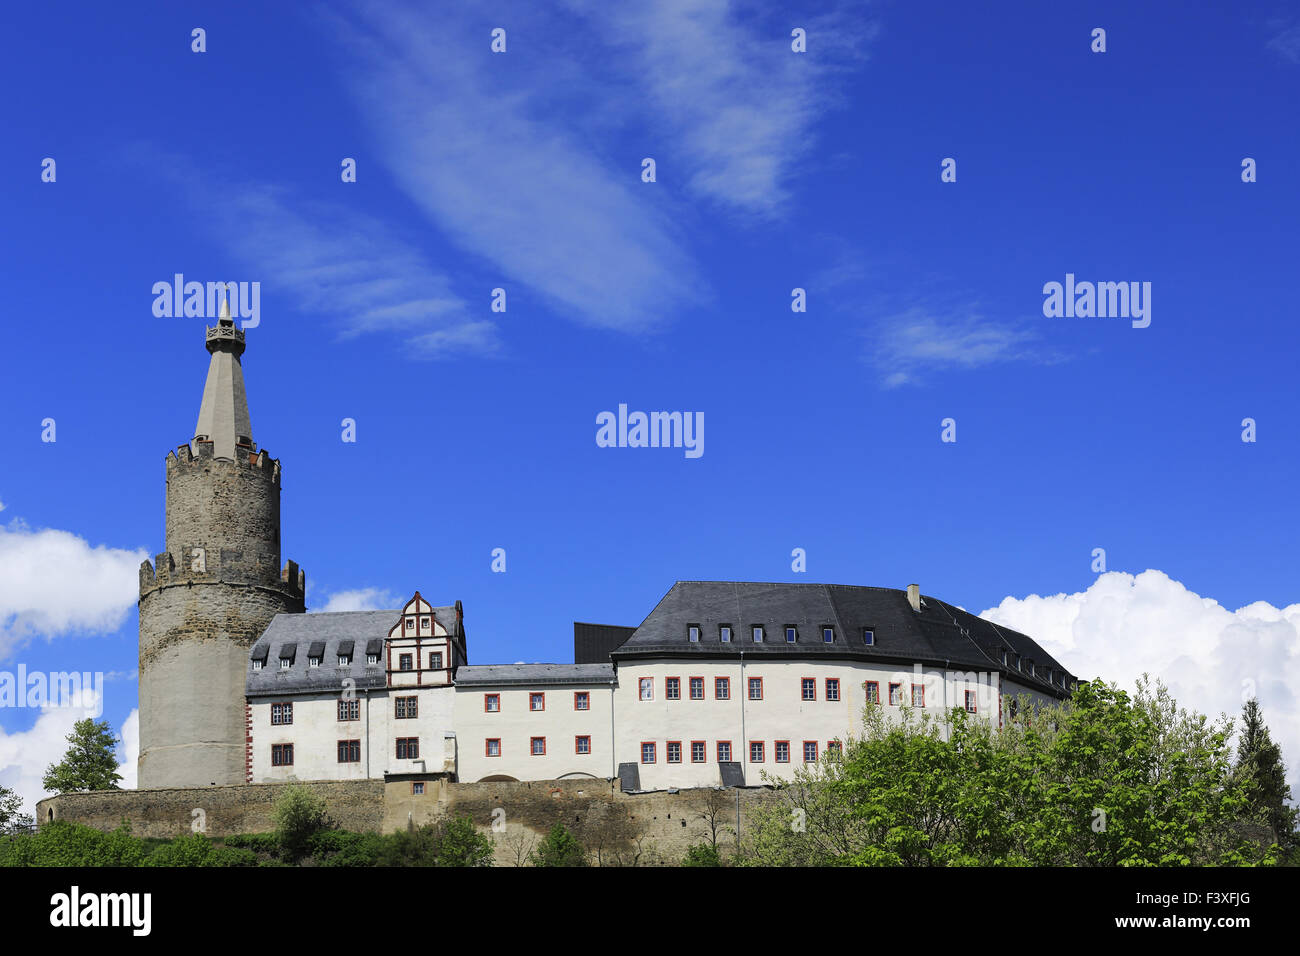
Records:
x=791, y=635
x=372, y=659
x=828, y=635
x=693, y=633
x=724, y=633
x=868, y=636
x=313, y=662
x=758, y=634
x=345, y=660
x=284, y=663
x=257, y=665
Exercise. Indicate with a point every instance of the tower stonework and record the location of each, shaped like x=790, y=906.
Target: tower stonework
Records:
x=207, y=598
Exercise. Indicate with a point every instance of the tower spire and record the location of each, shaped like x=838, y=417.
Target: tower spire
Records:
x=223, y=416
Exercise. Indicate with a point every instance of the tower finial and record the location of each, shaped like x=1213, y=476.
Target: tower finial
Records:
x=223, y=318
x=223, y=416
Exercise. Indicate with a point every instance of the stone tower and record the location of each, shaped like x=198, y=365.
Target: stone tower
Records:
x=207, y=598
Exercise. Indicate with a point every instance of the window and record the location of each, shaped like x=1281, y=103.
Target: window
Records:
x=699, y=753
x=537, y=745
x=693, y=633
x=582, y=745
x=756, y=751
x=281, y=713
x=808, y=687
x=408, y=748
x=647, y=685
x=810, y=751
x=895, y=695
x=350, y=709
x=372, y=659
x=756, y=688
x=405, y=708
x=492, y=747
x=647, y=753
x=758, y=634
x=791, y=635
x=435, y=661
x=873, y=692
x=349, y=751
x=782, y=748
x=410, y=622
x=724, y=751
x=284, y=663
x=697, y=688
x=257, y=665
x=832, y=688
x=724, y=633
x=491, y=703
x=674, y=751
x=970, y=701
x=868, y=636
x=582, y=700
x=537, y=701
x=424, y=623
x=918, y=695
x=828, y=635
x=404, y=662
x=281, y=755
x=834, y=747
x=345, y=660
x=722, y=688
x=673, y=688
x=417, y=788
x=313, y=662
x=1004, y=658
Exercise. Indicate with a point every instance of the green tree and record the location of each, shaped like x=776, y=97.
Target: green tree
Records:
x=1259, y=760
x=453, y=841
x=11, y=815
x=89, y=764
x=558, y=848
x=702, y=854
x=299, y=815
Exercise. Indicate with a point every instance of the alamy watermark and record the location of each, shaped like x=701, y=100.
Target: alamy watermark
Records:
x=652, y=430
x=199, y=300
x=55, y=689
x=1102, y=300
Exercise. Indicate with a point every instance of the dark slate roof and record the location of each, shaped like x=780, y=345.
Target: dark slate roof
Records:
x=593, y=642
x=940, y=634
x=328, y=632
x=521, y=675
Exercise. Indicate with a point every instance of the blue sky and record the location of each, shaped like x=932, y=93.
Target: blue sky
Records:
x=775, y=170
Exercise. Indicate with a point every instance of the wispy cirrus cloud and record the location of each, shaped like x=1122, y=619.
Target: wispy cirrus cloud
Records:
x=361, y=599
x=910, y=344
x=1286, y=39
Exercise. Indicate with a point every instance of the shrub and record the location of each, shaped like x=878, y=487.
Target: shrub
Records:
x=299, y=815
x=558, y=848
x=702, y=854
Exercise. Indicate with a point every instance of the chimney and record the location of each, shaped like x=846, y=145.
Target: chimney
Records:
x=914, y=597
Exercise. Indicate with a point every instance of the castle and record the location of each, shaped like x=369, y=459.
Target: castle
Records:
x=723, y=683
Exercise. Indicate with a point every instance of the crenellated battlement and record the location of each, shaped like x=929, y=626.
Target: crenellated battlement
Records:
x=225, y=566
x=246, y=456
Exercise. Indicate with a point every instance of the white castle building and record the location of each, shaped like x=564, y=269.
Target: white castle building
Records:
x=724, y=683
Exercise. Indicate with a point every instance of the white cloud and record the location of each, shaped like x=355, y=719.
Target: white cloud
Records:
x=916, y=342
x=39, y=569
x=362, y=599
x=1210, y=657
x=493, y=151
x=25, y=755
x=1287, y=41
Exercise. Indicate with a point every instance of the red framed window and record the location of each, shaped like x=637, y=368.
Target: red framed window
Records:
x=404, y=708
x=673, y=688
x=281, y=714
x=722, y=688
x=537, y=701
x=647, y=688
x=895, y=695
x=808, y=688
x=582, y=700
x=724, y=751
x=281, y=755
x=435, y=660
x=810, y=751
x=404, y=662
x=756, y=688
x=492, y=747
x=350, y=709
x=349, y=751
x=408, y=748
x=491, y=703
x=756, y=751
x=873, y=691
x=697, y=688
x=582, y=745
x=970, y=701
x=834, y=745
x=674, y=754
x=537, y=746
x=782, y=751
x=647, y=751
x=918, y=695
x=832, y=688
x=699, y=751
